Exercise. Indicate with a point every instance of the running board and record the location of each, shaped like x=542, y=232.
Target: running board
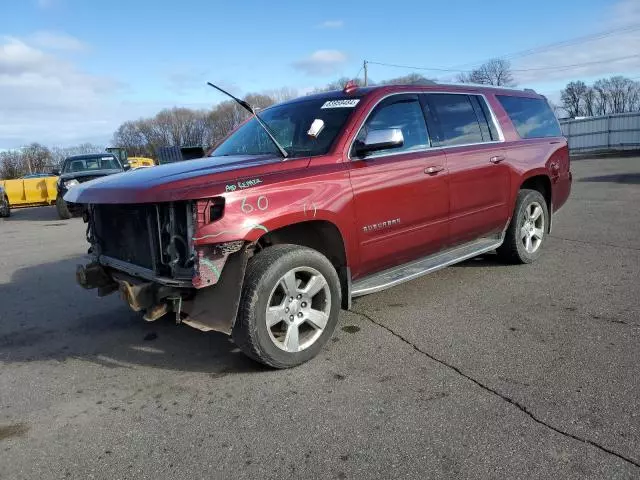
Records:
x=417, y=268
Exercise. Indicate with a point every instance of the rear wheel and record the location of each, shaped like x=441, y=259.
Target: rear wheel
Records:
x=5, y=207
x=63, y=210
x=528, y=229
x=289, y=306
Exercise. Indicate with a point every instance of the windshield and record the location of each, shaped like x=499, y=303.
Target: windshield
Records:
x=105, y=162
x=291, y=124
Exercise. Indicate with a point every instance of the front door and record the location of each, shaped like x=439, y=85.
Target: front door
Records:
x=401, y=194
x=478, y=174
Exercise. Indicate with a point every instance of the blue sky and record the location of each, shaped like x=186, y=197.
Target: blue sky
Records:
x=72, y=70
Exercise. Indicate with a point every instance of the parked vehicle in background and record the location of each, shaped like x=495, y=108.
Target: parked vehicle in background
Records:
x=79, y=169
x=325, y=198
x=37, y=175
x=5, y=206
x=31, y=190
x=140, y=162
x=125, y=160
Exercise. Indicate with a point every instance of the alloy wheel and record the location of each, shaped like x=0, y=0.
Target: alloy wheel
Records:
x=532, y=229
x=298, y=309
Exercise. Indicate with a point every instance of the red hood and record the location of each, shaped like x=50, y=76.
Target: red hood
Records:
x=188, y=180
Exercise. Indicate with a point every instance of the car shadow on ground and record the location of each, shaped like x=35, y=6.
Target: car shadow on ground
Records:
x=73, y=323
x=485, y=260
x=35, y=214
x=628, y=178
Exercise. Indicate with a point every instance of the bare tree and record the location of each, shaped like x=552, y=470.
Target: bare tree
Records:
x=589, y=97
x=33, y=158
x=410, y=79
x=573, y=98
x=10, y=164
x=607, y=96
x=58, y=154
x=340, y=83
x=494, y=72
x=283, y=94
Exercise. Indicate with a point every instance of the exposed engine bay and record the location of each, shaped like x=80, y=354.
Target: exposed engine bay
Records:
x=146, y=251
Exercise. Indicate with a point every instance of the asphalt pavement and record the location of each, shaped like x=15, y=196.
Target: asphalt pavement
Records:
x=481, y=370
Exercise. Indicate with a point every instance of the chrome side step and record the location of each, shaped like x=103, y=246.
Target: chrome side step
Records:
x=417, y=268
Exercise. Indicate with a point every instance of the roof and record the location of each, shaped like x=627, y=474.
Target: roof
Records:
x=87, y=156
x=364, y=91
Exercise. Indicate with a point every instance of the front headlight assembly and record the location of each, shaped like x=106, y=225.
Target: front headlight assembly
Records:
x=71, y=183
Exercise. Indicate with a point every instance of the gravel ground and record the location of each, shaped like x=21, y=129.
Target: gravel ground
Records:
x=478, y=371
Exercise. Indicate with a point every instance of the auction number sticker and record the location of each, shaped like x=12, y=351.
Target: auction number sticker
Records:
x=341, y=103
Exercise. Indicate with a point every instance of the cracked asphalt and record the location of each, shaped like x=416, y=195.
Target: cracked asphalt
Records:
x=481, y=370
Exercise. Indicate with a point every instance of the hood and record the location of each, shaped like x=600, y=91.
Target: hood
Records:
x=187, y=180
x=88, y=174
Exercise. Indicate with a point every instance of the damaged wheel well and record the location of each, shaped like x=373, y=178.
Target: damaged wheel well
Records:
x=320, y=235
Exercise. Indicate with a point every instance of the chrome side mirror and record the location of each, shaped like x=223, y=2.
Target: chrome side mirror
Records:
x=380, y=140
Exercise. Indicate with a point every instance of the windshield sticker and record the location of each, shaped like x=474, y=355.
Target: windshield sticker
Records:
x=316, y=127
x=341, y=103
x=106, y=158
x=242, y=185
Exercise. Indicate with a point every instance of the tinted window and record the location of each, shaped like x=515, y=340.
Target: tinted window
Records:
x=290, y=123
x=456, y=119
x=82, y=164
x=532, y=117
x=403, y=112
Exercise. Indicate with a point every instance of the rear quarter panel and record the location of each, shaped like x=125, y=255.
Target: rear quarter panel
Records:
x=543, y=156
x=535, y=156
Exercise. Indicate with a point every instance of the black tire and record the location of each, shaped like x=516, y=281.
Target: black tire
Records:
x=5, y=208
x=63, y=210
x=264, y=273
x=513, y=249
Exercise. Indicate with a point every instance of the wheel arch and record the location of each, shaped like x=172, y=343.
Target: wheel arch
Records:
x=541, y=183
x=321, y=235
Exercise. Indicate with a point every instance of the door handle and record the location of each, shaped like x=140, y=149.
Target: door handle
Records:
x=497, y=159
x=432, y=170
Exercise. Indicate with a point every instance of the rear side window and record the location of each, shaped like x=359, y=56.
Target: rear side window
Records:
x=532, y=117
x=456, y=120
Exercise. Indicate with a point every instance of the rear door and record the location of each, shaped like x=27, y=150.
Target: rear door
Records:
x=479, y=177
x=401, y=194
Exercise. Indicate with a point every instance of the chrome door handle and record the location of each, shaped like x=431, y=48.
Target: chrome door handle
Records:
x=497, y=159
x=432, y=170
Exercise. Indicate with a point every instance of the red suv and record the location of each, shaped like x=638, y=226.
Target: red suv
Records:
x=321, y=199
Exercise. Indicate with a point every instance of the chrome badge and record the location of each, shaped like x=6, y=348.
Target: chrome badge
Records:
x=381, y=225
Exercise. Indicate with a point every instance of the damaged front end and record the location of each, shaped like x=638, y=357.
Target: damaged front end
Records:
x=147, y=253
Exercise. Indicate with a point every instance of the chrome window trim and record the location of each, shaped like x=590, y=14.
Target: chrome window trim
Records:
x=494, y=119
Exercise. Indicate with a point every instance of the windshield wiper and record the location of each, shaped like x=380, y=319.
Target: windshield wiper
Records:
x=251, y=110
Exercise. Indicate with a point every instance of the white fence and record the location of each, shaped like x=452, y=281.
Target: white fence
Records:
x=602, y=134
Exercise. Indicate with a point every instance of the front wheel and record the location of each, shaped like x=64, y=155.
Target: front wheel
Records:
x=289, y=306
x=528, y=229
x=5, y=207
x=63, y=209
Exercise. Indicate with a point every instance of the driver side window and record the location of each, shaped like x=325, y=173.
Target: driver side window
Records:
x=398, y=111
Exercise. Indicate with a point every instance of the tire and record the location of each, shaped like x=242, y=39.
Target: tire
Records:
x=63, y=209
x=5, y=207
x=516, y=248
x=268, y=274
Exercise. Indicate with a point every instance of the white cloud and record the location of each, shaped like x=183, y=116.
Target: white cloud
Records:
x=45, y=3
x=625, y=14
x=57, y=41
x=48, y=99
x=321, y=62
x=331, y=24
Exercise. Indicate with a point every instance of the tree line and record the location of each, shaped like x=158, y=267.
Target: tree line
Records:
x=606, y=96
x=207, y=127
x=36, y=158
